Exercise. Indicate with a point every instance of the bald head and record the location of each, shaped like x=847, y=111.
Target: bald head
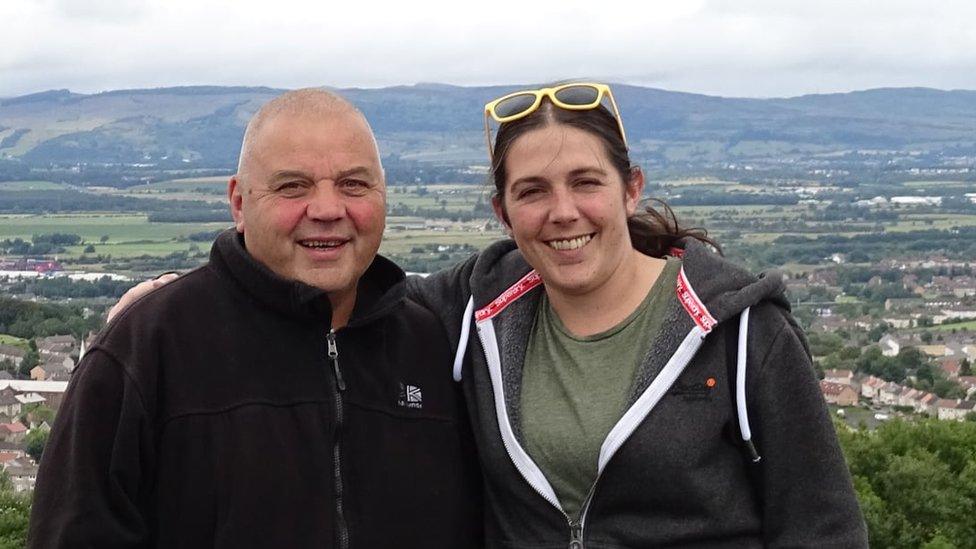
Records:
x=307, y=103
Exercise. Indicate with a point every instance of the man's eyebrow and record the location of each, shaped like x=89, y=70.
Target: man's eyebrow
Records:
x=358, y=170
x=289, y=174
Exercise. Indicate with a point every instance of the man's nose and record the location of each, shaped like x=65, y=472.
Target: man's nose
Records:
x=325, y=202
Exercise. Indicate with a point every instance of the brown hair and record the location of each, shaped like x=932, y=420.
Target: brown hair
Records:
x=652, y=232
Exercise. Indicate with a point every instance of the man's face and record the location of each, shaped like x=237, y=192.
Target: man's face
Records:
x=311, y=201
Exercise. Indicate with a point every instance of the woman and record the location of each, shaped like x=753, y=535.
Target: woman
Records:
x=628, y=386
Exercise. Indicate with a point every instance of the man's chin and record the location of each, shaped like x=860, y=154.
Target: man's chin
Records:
x=330, y=282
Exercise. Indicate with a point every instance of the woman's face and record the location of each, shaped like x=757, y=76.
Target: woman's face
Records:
x=567, y=207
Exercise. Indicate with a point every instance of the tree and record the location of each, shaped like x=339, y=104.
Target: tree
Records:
x=35, y=441
x=14, y=517
x=36, y=413
x=965, y=367
x=31, y=359
x=89, y=249
x=916, y=482
x=103, y=239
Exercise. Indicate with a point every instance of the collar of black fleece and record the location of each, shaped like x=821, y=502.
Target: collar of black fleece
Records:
x=380, y=289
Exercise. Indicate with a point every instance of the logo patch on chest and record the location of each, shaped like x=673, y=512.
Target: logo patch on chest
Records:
x=694, y=390
x=410, y=397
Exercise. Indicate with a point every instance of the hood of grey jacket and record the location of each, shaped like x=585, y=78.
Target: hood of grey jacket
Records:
x=724, y=289
x=502, y=294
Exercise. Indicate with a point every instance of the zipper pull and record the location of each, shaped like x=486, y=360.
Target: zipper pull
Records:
x=576, y=535
x=334, y=358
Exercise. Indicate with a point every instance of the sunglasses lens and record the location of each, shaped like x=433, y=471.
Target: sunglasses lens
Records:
x=578, y=95
x=514, y=105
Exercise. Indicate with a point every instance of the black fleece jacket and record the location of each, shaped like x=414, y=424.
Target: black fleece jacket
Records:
x=209, y=414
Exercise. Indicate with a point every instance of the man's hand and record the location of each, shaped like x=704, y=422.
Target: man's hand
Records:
x=138, y=291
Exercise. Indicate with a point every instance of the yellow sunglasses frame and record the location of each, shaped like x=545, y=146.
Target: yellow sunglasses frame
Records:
x=603, y=90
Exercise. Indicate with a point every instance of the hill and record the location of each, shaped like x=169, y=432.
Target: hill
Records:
x=199, y=128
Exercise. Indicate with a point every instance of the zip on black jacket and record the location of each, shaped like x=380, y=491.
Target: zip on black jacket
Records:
x=220, y=411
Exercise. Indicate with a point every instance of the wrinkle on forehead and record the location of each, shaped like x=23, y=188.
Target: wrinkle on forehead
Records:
x=304, y=104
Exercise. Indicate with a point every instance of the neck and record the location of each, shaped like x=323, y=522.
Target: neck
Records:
x=604, y=307
x=342, y=306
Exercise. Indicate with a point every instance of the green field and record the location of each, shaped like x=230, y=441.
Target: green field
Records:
x=7, y=339
x=403, y=242
x=32, y=186
x=939, y=184
x=971, y=325
x=120, y=228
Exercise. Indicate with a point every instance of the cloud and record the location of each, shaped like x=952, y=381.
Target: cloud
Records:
x=727, y=47
x=111, y=11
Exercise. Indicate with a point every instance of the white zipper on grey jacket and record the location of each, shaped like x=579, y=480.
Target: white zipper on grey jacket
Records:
x=634, y=415
x=529, y=470
x=520, y=458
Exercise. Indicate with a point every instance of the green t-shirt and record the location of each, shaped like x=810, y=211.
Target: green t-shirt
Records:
x=574, y=389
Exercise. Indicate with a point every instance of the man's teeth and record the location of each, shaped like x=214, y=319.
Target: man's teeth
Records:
x=321, y=243
x=571, y=244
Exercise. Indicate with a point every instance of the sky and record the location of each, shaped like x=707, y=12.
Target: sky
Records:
x=732, y=48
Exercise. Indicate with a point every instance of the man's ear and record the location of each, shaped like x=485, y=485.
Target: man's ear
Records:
x=499, y=207
x=634, y=190
x=235, y=196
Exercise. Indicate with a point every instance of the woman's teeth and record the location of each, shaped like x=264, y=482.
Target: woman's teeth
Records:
x=570, y=244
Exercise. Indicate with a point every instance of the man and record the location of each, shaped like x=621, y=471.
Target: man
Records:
x=286, y=394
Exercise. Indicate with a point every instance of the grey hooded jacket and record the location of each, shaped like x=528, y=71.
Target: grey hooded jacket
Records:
x=678, y=469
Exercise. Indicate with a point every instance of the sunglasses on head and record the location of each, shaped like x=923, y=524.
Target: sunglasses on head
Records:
x=579, y=96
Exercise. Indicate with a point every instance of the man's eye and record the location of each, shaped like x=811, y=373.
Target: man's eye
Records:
x=354, y=186
x=289, y=187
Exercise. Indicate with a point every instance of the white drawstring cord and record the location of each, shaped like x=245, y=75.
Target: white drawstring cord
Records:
x=463, y=342
x=740, y=385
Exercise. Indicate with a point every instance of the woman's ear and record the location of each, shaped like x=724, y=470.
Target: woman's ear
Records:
x=634, y=190
x=497, y=204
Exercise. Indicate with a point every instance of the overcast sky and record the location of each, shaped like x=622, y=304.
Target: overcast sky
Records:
x=752, y=48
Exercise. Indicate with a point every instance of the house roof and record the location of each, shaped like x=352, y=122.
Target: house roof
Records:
x=12, y=350
x=947, y=404
x=8, y=398
x=838, y=373
x=833, y=389
x=950, y=366
x=28, y=385
x=15, y=427
x=22, y=470
x=30, y=398
x=56, y=340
